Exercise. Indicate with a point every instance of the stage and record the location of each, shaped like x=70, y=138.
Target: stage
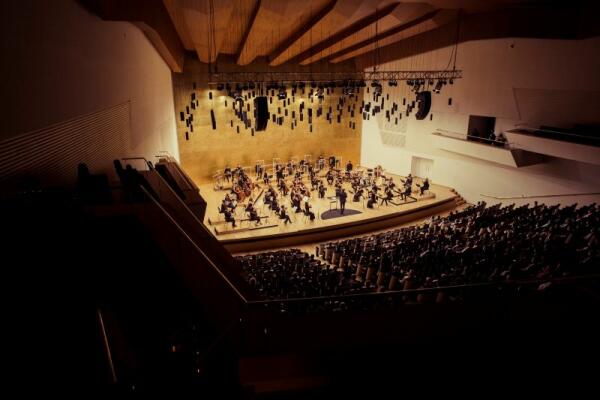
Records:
x=328, y=224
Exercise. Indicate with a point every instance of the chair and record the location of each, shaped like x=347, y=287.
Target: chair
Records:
x=333, y=202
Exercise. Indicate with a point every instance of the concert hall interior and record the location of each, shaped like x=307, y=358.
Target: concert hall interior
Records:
x=283, y=199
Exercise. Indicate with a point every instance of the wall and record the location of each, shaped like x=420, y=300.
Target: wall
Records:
x=62, y=66
x=520, y=82
x=208, y=150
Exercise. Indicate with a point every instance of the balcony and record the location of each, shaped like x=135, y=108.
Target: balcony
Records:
x=556, y=144
x=504, y=153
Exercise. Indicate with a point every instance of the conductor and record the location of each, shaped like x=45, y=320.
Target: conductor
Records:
x=342, y=196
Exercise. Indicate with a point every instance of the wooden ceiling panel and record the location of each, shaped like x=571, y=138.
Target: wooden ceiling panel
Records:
x=240, y=20
x=176, y=14
x=306, y=31
x=401, y=14
x=344, y=14
x=276, y=20
x=207, y=41
x=441, y=18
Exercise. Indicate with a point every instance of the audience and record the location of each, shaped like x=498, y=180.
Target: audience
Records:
x=476, y=245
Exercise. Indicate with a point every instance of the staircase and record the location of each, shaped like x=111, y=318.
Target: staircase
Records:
x=458, y=199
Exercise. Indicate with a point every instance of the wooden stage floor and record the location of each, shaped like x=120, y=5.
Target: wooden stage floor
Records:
x=302, y=225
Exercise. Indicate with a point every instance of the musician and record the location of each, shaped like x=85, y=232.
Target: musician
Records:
x=408, y=181
x=266, y=178
x=349, y=166
x=321, y=190
x=358, y=194
x=314, y=182
x=227, y=173
x=329, y=177
x=279, y=172
x=390, y=183
x=424, y=187
x=389, y=195
x=283, y=215
x=307, y=211
x=407, y=192
x=321, y=162
x=252, y=213
x=332, y=162
x=224, y=206
x=269, y=195
x=229, y=217
x=372, y=199
x=343, y=196
x=258, y=168
x=275, y=205
x=238, y=170
x=283, y=187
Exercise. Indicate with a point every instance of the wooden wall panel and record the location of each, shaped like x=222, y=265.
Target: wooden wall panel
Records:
x=208, y=150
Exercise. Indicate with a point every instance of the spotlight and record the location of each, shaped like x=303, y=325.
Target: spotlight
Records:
x=362, y=83
x=409, y=82
x=451, y=81
x=438, y=87
x=220, y=86
x=393, y=82
x=431, y=81
x=313, y=84
x=375, y=84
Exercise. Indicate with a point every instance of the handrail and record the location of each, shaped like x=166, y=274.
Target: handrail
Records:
x=529, y=196
x=231, y=285
x=504, y=143
x=107, y=350
x=532, y=131
x=182, y=203
x=419, y=291
x=137, y=158
x=164, y=152
x=466, y=136
x=371, y=294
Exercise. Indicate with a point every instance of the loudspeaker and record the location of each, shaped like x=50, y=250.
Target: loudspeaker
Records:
x=262, y=113
x=424, y=104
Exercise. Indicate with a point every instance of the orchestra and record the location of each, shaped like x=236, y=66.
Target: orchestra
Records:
x=295, y=183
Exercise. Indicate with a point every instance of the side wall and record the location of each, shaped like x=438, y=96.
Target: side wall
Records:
x=520, y=82
x=77, y=88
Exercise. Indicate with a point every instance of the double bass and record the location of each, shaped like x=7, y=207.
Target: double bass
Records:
x=240, y=193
